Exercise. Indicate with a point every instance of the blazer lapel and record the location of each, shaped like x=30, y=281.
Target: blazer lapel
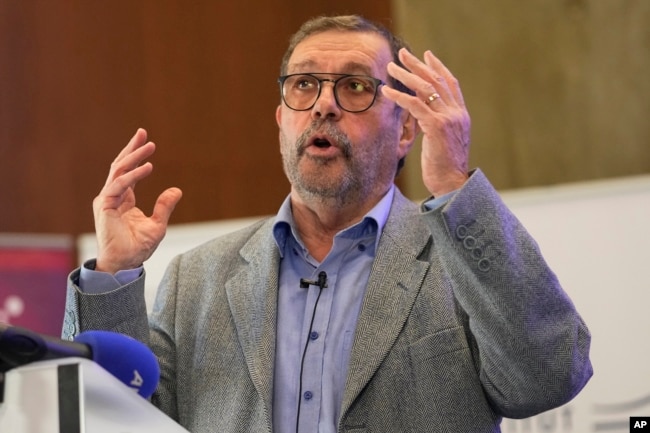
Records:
x=394, y=283
x=252, y=295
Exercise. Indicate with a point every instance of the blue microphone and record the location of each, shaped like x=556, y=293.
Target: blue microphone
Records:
x=126, y=358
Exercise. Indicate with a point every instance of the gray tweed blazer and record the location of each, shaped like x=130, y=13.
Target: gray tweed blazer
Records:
x=462, y=324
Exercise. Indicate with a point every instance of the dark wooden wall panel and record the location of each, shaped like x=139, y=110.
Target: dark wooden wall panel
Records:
x=78, y=77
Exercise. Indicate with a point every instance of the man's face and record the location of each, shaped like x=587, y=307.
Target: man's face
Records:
x=329, y=153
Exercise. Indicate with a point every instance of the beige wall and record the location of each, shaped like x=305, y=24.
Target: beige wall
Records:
x=558, y=90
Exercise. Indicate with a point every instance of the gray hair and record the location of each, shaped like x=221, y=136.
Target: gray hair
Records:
x=350, y=23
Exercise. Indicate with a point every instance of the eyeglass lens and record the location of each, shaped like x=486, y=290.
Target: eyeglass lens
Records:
x=352, y=92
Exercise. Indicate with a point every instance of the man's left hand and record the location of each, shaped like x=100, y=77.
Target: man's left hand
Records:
x=440, y=111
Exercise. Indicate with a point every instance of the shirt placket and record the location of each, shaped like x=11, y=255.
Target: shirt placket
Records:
x=315, y=336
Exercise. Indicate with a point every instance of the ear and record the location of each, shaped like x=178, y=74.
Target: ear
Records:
x=278, y=114
x=410, y=130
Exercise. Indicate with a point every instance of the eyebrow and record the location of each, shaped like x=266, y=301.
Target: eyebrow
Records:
x=353, y=68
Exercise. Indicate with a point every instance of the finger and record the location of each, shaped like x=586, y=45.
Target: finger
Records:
x=138, y=139
x=114, y=192
x=433, y=80
x=414, y=82
x=419, y=68
x=130, y=161
x=452, y=82
x=165, y=205
x=435, y=72
x=416, y=106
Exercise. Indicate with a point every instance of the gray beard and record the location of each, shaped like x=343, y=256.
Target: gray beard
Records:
x=338, y=191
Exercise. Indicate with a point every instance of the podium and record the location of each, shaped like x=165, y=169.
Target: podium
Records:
x=76, y=395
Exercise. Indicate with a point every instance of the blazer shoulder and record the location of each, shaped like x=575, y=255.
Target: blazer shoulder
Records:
x=230, y=243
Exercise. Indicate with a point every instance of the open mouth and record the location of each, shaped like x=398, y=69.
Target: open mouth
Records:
x=321, y=143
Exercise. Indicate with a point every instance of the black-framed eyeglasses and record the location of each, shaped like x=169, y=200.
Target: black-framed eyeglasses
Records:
x=353, y=93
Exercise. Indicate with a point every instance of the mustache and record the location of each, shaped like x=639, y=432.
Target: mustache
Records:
x=325, y=127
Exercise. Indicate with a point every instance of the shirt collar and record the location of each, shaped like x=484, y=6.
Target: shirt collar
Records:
x=372, y=223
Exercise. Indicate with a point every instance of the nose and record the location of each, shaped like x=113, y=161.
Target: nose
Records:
x=326, y=106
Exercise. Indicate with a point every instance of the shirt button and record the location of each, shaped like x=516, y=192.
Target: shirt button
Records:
x=313, y=335
x=361, y=247
x=308, y=395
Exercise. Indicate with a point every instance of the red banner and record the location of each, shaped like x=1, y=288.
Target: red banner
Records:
x=33, y=272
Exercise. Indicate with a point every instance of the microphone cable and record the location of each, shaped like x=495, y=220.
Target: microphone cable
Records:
x=321, y=283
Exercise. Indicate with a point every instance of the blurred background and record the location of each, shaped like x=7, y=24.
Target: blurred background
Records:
x=558, y=91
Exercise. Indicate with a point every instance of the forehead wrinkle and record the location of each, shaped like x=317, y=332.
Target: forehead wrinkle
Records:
x=342, y=52
x=346, y=68
x=302, y=66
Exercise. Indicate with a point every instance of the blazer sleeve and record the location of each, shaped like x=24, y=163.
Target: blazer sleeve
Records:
x=123, y=310
x=532, y=346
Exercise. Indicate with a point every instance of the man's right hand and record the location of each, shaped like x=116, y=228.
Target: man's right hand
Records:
x=126, y=237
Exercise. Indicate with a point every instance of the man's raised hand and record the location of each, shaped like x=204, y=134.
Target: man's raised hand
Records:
x=126, y=237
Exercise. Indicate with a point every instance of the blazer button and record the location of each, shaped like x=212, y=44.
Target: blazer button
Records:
x=469, y=242
x=484, y=265
x=461, y=231
x=69, y=324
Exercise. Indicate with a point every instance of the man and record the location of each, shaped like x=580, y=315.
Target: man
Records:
x=353, y=309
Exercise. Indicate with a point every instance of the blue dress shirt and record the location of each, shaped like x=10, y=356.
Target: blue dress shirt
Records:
x=308, y=387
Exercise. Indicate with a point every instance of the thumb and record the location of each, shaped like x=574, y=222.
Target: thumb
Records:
x=165, y=204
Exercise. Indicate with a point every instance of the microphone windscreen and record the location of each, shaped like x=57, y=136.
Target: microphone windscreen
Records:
x=126, y=358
